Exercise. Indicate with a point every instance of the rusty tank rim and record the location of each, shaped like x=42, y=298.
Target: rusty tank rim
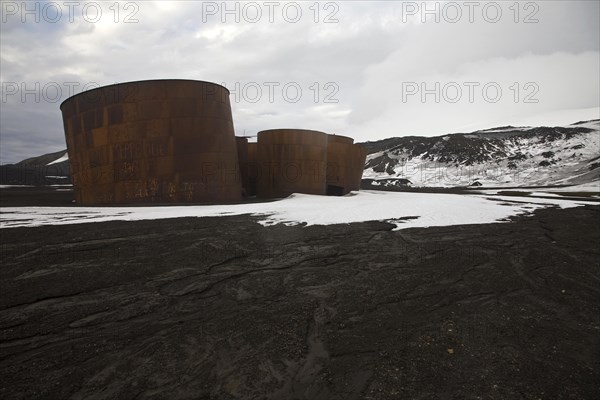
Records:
x=334, y=138
x=300, y=135
x=87, y=92
x=291, y=129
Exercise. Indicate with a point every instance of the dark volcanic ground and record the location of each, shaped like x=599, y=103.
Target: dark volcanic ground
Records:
x=224, y=308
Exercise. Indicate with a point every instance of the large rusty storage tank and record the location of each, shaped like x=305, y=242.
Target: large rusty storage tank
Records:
x=165, y=141
x=291, y=160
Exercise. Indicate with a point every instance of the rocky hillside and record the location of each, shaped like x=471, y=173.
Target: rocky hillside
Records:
x=48, y=169
x=505, y=156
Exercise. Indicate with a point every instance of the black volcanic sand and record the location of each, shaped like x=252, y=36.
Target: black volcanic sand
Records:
x=223, y=308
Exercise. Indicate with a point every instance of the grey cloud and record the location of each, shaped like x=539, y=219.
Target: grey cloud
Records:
x=368, y=55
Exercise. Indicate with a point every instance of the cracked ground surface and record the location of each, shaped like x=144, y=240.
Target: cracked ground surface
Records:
x=225, y=308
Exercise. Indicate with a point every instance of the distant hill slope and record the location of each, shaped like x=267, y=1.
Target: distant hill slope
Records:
x=505, y=156
x=47, y=169
x=43, y=160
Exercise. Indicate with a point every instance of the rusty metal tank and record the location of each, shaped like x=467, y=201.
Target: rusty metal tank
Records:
x=290, y=161
x=162, y=141
x=345, y=164
x=252, y=169
x=242, y=151
x=339, y=164
x=358, y=157
x=248, y=167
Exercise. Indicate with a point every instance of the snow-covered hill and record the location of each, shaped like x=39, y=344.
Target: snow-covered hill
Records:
x=500, y=157
x=47, y=169
x=44, y=160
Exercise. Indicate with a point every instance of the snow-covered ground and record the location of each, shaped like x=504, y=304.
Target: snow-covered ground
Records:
x=592, y=188
x=422, y=210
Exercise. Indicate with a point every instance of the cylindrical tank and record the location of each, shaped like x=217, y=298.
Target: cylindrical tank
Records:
x=339, y=164
x=164, y=141
x=358, y=157
x=291, y=160
x=242, y=151
x=252, y=169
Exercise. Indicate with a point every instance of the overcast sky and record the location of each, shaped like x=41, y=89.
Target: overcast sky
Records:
x=368, y=70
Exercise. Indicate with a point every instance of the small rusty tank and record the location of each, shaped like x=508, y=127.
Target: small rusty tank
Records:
x=243, y=160
x=339, y=164
x=345, y=165
x=252, y=169
x=358, y=157
x=291, y=160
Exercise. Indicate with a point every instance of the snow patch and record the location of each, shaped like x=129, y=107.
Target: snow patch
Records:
x=65, y=157
x=406, y=210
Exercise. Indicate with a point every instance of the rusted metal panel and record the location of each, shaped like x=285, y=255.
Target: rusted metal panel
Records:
x=164, y=141
x=291, y=160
